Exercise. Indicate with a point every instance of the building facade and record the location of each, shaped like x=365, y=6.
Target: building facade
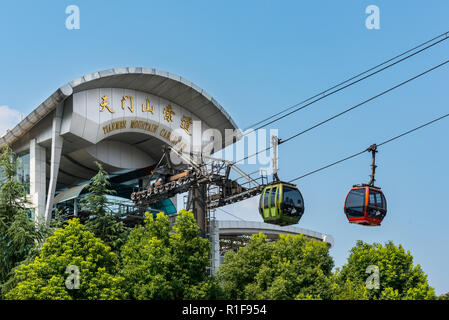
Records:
x=124, y=119
x=228, y=235
x=121, y=118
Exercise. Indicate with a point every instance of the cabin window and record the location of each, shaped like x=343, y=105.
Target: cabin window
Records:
x=355, y=203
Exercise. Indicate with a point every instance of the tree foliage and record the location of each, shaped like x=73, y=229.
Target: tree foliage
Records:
x=291, y=268
x=20, y=237
x=160, y=262
x=347, y=289
x=45, y=278
x=444, y=296
x=398, y=277
x=104, y=225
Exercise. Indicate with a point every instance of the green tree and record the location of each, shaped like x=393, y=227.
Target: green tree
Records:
x=398, y=277
x=103, y=224
x=290, y=268
x=20, y=237
x=444, y=296
x=348, y=290
x=45, y=278
x=160, y=262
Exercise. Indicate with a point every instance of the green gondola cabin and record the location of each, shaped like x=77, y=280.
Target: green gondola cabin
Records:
x=281, y=203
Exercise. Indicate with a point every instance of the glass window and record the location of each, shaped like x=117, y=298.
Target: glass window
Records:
x=293, y=203
x=273, y=197
x=377, y=204
x=372, y=198
x=355, y=202
x=165, y=206
x=265, y=198
x=376, y=199
x=292, y=197
x=23, y=170
x=384, y=201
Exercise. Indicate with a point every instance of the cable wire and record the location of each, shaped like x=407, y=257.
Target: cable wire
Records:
x=446, y=36
x=348, y=110
x=412, y=130
x=366, y=101
x=380, y=144
x=230, y=214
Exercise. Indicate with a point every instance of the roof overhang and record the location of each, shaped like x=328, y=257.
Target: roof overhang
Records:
x=70, y=194
x=237, y=227
x=164, y=84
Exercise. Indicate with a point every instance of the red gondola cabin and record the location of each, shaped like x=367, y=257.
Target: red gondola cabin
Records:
x=365, y=205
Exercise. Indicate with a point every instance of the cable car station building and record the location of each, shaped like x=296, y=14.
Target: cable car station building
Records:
x=121, y=118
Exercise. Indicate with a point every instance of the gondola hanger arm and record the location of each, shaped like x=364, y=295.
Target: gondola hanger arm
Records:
x=373, y=149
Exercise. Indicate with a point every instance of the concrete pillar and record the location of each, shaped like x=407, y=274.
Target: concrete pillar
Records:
x=75, y=207
x=56, y=149
x=37, y=180
x=197, y=204
x=215, y=244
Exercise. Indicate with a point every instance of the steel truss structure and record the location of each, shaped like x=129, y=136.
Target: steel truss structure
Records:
x=206, y=179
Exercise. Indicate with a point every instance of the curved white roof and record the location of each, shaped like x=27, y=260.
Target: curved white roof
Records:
x=237, y=227
x=164, y=84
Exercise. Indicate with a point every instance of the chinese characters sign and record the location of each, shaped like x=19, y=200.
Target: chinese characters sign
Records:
x=127, y=103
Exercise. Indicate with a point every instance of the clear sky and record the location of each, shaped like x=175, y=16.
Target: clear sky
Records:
x=256, y=57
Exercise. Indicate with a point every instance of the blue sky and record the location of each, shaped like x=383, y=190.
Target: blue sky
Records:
x=256, y=57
